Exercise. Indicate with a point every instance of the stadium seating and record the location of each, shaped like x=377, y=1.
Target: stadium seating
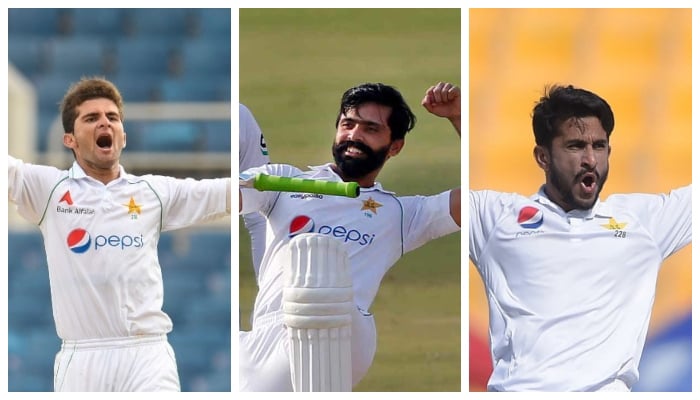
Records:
x=28, y=54
x=217, y=136
x=172, y=55
x=85, y=55
x=29, y=21
x=103, y=23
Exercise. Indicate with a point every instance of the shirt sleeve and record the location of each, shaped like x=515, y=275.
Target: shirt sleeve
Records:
x=426, y=218
x=252, y=150
x=188, y=201
x=29, y=187
x=254, y=200
x=485, y=208
x=667, y=217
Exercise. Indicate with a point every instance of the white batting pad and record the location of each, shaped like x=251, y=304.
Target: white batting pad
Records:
x=317, y=305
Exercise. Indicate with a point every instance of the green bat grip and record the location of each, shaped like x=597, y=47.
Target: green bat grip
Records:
x=287, y=184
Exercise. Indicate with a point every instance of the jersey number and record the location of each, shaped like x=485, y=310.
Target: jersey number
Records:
x=620, y=234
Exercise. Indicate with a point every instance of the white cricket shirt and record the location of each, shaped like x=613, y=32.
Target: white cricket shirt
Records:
x=252, y=152
x=101, y=240
x=570, y=294
x=252, y=149
x=377, y=227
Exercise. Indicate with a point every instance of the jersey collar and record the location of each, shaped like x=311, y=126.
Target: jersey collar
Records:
x=77, y=172
x=326, y=171
x=600, y=209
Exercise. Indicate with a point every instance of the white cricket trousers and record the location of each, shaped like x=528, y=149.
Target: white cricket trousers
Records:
x=131, y=364
x=264, y=353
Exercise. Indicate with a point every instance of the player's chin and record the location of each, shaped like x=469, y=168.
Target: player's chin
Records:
x=585, y=201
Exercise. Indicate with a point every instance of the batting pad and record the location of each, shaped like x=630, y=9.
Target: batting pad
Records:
x=317, y=305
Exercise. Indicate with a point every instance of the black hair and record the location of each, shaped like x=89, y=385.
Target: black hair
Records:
x=401, y=119
x=561, y=103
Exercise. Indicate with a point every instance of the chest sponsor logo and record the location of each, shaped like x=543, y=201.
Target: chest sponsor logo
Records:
x=530, y=217
x=65, y=206
x=304, y=224
x=80, y=241
x=305, y=196
x=66, y=198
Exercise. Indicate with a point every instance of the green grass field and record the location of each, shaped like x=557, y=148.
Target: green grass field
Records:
x=294, y=66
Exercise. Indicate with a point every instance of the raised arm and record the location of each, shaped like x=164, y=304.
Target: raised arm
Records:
x=445, y=100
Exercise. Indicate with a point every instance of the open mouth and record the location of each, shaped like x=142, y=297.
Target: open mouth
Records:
x=588, y=182
x=353, y=151
x=104, y=142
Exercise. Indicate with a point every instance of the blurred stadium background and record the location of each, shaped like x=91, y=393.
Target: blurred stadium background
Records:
x=173, y=69
x=639, y=60
x=295, y=65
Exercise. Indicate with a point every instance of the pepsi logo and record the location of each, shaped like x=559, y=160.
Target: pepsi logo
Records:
x=301, y=224
x=79, y=240
x=530, y=217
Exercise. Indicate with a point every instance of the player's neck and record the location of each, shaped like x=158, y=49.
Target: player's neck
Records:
x=104, y=175
x=365, y=181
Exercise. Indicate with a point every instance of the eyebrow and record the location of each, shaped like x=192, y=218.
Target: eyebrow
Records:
x=93, y=114
x=581, y=141
x=361, y=121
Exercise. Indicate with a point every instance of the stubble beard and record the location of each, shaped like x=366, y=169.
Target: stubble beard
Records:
x=565, y=188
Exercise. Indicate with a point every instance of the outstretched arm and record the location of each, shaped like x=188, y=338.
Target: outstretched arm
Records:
x=445, y=100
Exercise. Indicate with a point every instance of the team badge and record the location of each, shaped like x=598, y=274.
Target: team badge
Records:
x=78, y=241
x=614, y=225
x=370, y=205
x=300, y=224
x=134, y=209
x=530, y=217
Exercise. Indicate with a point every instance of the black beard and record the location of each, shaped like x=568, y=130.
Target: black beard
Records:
x=565, y=188
x=358, y=167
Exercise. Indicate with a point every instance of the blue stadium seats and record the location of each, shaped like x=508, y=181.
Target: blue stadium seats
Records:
x=172, y=55
x=33, y=21
x=180, y=287
x=207, y=57
x=82, y=56
x=151, y=22
x=47, y=117
x=27, y=251
x=141, y=87
x=23, y=381
x=217, y=136
x=208, y=310
x=144, y=56
x=105, y=23
x=51, y=88
x=209, y=251
x=196, y=89
x=215, y=22
x=28, y=54
x=170, y=136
